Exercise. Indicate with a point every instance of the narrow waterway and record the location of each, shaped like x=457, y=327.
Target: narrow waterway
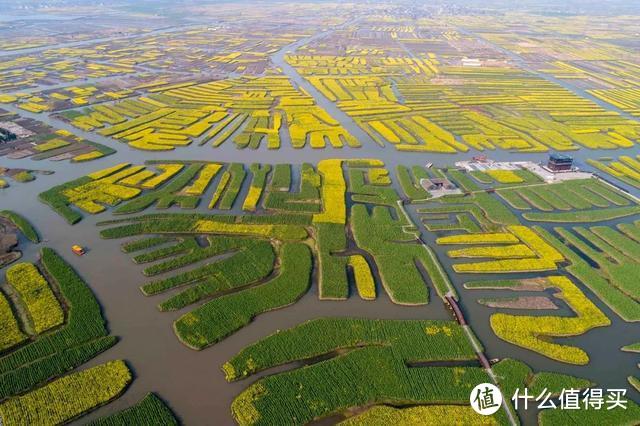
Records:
x=87, y=42
x=191, y=381
x=522, y=64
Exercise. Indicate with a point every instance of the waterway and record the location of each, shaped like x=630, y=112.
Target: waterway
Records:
x=191, y=381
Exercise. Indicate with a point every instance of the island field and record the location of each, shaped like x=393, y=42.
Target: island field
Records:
x=270, y=213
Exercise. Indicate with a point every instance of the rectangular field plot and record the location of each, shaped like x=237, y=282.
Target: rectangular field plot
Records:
x=245, y=111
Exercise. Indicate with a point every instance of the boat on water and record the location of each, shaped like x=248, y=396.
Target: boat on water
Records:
x=79, y=250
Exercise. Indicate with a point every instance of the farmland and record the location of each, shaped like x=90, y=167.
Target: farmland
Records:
x=393, y=88
x=268, y=213
x=39, y=141
x=526, y=331
x=397, y=382
x=273, y=249
x=327, y=219
x=12, y=225
x=212, y=112
x=35, y=386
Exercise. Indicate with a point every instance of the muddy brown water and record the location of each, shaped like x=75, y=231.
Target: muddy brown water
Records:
x=192, y=382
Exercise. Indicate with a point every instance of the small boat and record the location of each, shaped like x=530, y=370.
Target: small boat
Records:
x=79, y=250
x=428, y=165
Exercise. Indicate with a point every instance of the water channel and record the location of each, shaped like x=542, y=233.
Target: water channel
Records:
x=192, y=382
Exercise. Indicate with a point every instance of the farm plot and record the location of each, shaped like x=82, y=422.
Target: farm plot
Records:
x=389, y=344
x=589, y=200
x=91, y=193
x=514, y=374
x=626, y=99
x=478, y=211
x=625, y=169
x=42, y=309
x=247, y=111
x=600, y=257
x=150, y=409
x=119, y=68
x=505, y=177
x=431, y=414
x=401, y=349
x=525, y=252
x=488, y=108
x=9, y=176
x=24, y=137
x=410, y=181
x=605, y=259
x=224, y=269
x=162, y=184
x=535, y=332
x=11, y=226
x=235, y=266
x=54, y=338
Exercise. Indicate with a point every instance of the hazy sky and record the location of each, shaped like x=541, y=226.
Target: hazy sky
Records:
x=596, y=7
